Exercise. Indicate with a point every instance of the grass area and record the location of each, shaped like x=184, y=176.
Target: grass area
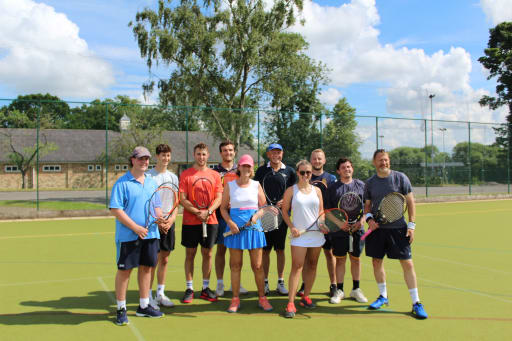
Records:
x=60, y=284
x=52, y=205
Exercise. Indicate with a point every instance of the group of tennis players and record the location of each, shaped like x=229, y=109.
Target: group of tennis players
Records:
x=238, y=192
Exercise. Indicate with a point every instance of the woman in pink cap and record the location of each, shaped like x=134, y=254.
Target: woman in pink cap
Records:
x=240, y=200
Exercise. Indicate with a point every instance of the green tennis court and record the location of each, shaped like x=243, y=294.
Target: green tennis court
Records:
x=58, y=282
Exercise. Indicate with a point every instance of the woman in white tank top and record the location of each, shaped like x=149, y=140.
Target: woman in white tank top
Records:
x=305, y=202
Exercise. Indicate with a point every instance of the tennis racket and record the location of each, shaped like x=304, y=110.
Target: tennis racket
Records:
x=168, y=200
x=351, y=203
x=322, y=184
x=270, y=218
x=391, y=208
x=330, y=220
x=202, y=196
x=274, y=186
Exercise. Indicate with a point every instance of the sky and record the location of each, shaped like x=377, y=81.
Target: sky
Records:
x=385, y=56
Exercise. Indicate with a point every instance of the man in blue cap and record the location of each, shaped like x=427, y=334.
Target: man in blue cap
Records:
x=275, y=178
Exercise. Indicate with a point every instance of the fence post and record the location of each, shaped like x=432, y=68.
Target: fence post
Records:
x=106, y=156
x=469, y=155
x=426, y=162
x=186, y=134
x=509, y=130
x=377, y=132
x=321, y=132
x=38, y=123
x=258, y=149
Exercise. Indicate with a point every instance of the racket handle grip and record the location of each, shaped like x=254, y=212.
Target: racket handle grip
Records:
x=226, y=234
x=205, y=234
x=363, y=237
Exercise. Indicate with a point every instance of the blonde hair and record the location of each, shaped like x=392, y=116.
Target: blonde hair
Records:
x=319, y=150
x=303, y=163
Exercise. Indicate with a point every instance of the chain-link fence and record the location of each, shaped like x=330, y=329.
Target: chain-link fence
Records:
x=70, y=154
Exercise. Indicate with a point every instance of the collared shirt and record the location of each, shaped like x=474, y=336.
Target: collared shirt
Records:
x=286, y=171
x=133, y=197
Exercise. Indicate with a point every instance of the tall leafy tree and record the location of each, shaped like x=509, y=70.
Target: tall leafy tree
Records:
x=221, y=54
x=498, y=60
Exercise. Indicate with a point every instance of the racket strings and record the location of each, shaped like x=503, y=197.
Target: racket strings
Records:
x=392, y=207
x=168, y=199
x=334, y=220
x=202, y=194
x=270, y=220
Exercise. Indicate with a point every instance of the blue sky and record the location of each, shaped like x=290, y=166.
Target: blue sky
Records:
x=386, y=56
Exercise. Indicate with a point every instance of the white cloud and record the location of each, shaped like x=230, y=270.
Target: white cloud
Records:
x=497, y=11
x=43, y=52
x=346, y=38
x=330, y=96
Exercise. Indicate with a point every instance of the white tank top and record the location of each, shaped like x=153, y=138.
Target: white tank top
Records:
x=305, y=209
x=243, y=197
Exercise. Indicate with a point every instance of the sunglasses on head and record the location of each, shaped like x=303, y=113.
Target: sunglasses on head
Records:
x=304, y=173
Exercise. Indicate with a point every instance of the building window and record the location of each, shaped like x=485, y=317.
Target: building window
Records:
x=151, y=167
x=120, y=167
x=98, y=168
x=125, y=167
x=117, y=167
x=11, y=169
x=90, y=168
x=51, y=168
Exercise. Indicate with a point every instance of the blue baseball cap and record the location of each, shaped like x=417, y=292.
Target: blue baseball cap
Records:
x=274, y=146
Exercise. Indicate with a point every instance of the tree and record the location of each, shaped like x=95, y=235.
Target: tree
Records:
x=25, y=157
x=483, y=162
x=224, y=54
x=498, y=60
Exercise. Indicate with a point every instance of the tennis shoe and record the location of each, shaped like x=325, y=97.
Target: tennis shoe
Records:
x=306, y=302
x=290, y=310
x=188, y=297
x=234, y=306
x=148, y=312
x=281, y=289
x=220, y=290
x=242, y=291
x=379, y=302
x=332, y=290
x=266, y=290
x=164, y=301
x=418, y=311
x=300, y=293
x=264, y=304
x=337, y=297
x=153, y=303
x=121, y=318
x=209, y=295
x=358, y=295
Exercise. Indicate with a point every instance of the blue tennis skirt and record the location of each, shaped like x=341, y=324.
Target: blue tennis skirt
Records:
x=248, y=238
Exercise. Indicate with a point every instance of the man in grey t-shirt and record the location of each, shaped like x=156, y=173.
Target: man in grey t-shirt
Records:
x=394, y=239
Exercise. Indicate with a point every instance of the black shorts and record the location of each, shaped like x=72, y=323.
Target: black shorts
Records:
x=137, y=252
x=192, y=235
x=276, y=239
x=168, y=240
x=340, y=243
x=390, y=242
x=327, y=245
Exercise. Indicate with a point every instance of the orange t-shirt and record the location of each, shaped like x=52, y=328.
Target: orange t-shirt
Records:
x=187, y=179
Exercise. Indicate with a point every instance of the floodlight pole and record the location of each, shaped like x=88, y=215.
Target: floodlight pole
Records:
x=431, y=96
x=443, y=130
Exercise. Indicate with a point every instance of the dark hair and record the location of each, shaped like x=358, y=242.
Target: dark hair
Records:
x=200, y=145
x=226, y=143
x=130, y=161
x=163, y=148
x=378, y=151
x=341, y=161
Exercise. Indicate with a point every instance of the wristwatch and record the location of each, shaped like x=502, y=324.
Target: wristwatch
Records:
x=210, y=212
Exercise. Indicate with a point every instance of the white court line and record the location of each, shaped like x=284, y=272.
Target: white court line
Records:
x=464, y=264
x=50, y=281
x=134, y=329
x=457, y=288
x=58, y=218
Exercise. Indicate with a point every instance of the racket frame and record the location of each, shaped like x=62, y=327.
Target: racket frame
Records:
x=260, y=211
x=201, y=207
x=379, y=216
x=353, y=221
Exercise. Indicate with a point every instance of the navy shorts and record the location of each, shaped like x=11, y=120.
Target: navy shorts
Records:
x=276, y=239
x=192, y=235
x=168, y=240
x=388, y=242
x=137, y=252
x=327, y=245
x=340, y=243
x=220, y=234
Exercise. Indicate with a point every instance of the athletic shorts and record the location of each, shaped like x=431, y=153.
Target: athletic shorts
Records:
x=327, y=245
x=220, y=235
x=276, y=239
x=168, y=240
x=192, y=235
x=137, y=252
x=390, y=242
x=340, y=243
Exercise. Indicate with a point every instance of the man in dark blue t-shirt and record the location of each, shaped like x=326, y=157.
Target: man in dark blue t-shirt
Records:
x=393, y=239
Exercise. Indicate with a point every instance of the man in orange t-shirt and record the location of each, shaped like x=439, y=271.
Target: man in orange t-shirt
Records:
x=194, y=215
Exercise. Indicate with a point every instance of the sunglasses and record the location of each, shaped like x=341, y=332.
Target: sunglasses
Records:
x=305, y=173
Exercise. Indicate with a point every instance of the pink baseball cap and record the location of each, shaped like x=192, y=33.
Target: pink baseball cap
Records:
x=246, y=159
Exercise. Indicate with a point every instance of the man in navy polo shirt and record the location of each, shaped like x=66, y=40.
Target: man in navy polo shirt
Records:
x=136, y=233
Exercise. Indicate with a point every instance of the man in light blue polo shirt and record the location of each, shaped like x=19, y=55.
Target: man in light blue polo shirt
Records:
x=136, y=233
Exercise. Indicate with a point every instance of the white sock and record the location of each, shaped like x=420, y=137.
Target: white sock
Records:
x=190, y=285
x=150, y=293
x=121, y=305
x=144, y=302
x=206, y=283
x=414, y=295
x=266, y=280
x=382, y=289
x=160, y=290
x=220, y=282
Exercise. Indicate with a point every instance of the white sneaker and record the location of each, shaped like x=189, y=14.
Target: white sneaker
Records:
x=337, y=297
x=153, y=303
x=164, y=300
x=243, y=291
x=281, y=289
x=266, y=290
x=358, y=295
x=220, y=290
